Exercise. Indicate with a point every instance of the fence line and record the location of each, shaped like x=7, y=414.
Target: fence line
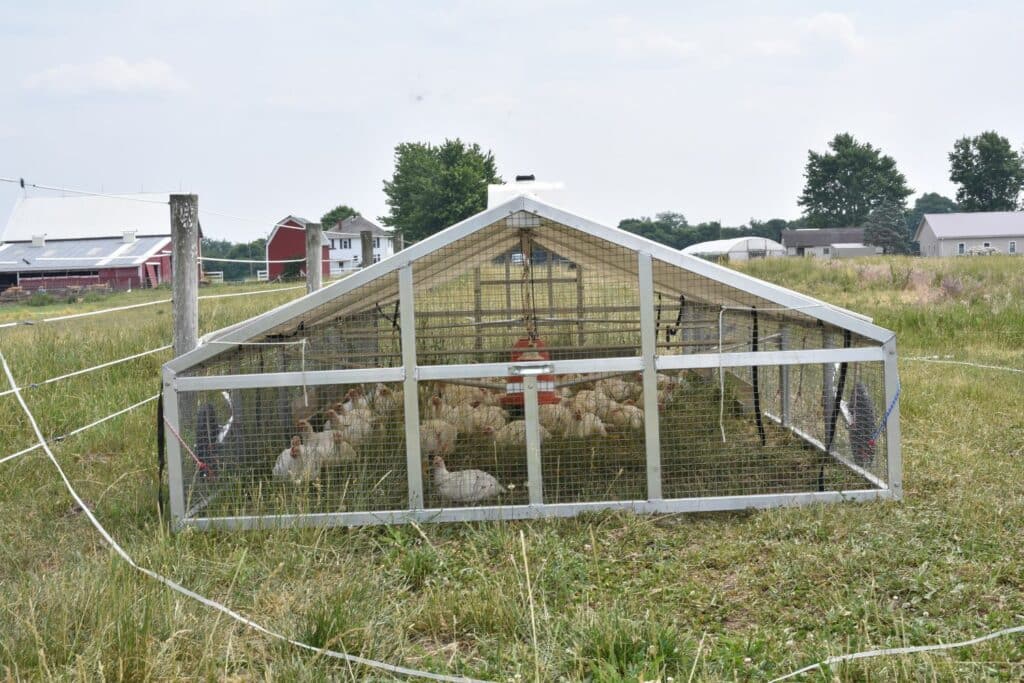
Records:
x=87, y=370
x=900, y=651
x=21, y=181
x=96, y=423
x=173, y=585
x=115, y=309
x=946, y=361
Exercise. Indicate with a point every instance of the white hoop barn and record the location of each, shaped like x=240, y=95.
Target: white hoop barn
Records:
x=527, y=362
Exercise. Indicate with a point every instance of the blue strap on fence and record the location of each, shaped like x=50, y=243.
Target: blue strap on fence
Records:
x=888, y=412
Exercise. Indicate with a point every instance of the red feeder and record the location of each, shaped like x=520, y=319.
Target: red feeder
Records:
x=526, y=349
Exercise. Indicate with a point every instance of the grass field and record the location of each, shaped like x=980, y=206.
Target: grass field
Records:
x=745, y=596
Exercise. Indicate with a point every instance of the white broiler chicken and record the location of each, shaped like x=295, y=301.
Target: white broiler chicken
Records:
x=294, y=464
x=318, y=445
x=514, y=434
x=355, y=398
x=464, y=486
x=437, y=437
x=350, y=427
x=387, y=401
x=626, y=415
x=585, y=425
x=488, y=416
x=461, y=416
x=555, y=417
x=615, y=388
x=343, y=451
x=591, y=401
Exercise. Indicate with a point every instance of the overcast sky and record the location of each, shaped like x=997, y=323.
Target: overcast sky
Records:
x=270, y=108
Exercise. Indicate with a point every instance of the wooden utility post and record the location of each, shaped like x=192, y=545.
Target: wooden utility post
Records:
x=314, y=257
x=185, y=270
x=367, y=238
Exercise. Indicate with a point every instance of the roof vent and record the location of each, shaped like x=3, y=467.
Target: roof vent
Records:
x=128, y=236
x=525, y=178
x=524, y=186
x=38, y=240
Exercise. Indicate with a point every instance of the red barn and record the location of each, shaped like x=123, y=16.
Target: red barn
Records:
x=122, y=242
x=287, y=242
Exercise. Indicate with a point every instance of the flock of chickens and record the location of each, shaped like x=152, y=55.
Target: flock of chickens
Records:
x=454, y=411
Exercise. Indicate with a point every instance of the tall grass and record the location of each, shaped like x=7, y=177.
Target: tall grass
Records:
x=617, y=597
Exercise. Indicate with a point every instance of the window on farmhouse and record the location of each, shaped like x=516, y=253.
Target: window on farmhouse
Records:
x=1013, y=247
x=961, y=248
x=376, y=243
x=346, y=244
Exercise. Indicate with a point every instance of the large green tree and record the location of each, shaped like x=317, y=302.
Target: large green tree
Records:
x=337, y=215
x=435, y=186
x=843, y=186
x=988, y=170
x=886, y=227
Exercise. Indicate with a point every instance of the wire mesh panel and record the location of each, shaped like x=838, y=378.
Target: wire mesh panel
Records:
x=737, y=442
x=294, y=450
x=473, y=441
x=593, y=448
x=359, y=329
x=519, y=284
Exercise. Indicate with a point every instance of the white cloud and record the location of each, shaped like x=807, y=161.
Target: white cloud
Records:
x=109, y=74
x=632, y=39
x=826, y=32
x=833, y=27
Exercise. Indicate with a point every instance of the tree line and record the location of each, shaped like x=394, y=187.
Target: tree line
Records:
x=852, y=184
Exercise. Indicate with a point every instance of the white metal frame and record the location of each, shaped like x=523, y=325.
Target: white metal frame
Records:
x=649, y=363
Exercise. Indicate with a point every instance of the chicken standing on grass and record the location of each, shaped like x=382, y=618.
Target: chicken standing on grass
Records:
x=585, y=425
x=437, y=437
x=464, y=486
x=296, y=465
x=514, y=434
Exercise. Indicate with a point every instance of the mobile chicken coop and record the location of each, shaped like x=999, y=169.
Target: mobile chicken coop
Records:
x=527, y=362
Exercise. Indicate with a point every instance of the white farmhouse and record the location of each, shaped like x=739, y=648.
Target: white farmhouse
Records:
x=345, y=248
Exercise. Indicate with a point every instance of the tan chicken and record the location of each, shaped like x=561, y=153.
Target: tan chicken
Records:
x=615, y=388
x=464, y=486
x=343, y=450
x=351, y=427
x=387, y=401
x=355, y=398
x=437, y=437
x=316, y=444
x=585, y=425
x=295, y=465
x=627, y=416
x=591, y=401
x=456, y=394
x=488, y=416
x=556, y=417
x=353, y=410
x=461, y=415
x=514, y=434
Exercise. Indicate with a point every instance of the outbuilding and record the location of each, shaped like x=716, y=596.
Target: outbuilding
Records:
x=121, y=242
x=966, y=234
x=736, y=249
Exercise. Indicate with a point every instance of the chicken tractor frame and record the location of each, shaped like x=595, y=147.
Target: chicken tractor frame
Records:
x=529, y=363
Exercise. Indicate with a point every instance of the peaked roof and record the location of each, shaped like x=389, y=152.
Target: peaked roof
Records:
x=725, y=279
x=88, y=217
x=977, y=224
x=88, y=254
x=357, y=224
x=822, y=237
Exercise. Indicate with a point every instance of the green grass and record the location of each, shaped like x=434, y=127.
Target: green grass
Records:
x=742, y=596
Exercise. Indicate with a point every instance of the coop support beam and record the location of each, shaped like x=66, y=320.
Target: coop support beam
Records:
x=894, y=454
x=185, y=269
x=784, y=378
x=413, y=458
x=174, y=477
x=532, y=415
x=511, y=512
x=314, y=257
x=290, y=379
x=648, y=349
x=765, y=358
